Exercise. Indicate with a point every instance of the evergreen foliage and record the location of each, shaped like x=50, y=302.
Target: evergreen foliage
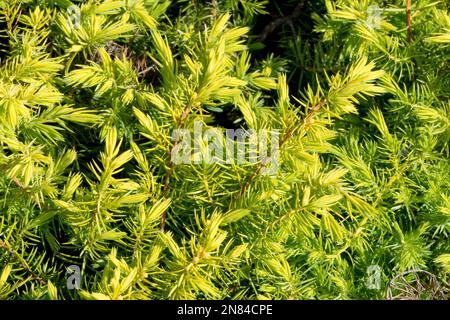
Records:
x=92, y=91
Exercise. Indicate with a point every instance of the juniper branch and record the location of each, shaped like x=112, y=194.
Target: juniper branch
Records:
x=287, y=135
x=22, y=262
x=169, y=172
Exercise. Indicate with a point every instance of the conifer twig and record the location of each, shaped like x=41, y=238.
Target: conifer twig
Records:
x=408, y=20
x=287, y=135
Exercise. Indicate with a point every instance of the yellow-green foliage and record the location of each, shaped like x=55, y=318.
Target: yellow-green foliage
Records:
x=91, y=92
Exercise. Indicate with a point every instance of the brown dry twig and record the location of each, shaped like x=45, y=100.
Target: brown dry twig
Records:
x=22, y=262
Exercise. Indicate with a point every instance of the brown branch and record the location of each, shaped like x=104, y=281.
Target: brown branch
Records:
x=250, y=179
x=408, y=20
x=271, y=27
x=22, y=262
x=19, y=184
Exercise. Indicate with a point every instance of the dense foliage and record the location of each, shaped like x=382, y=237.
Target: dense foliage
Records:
x=92, y=91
